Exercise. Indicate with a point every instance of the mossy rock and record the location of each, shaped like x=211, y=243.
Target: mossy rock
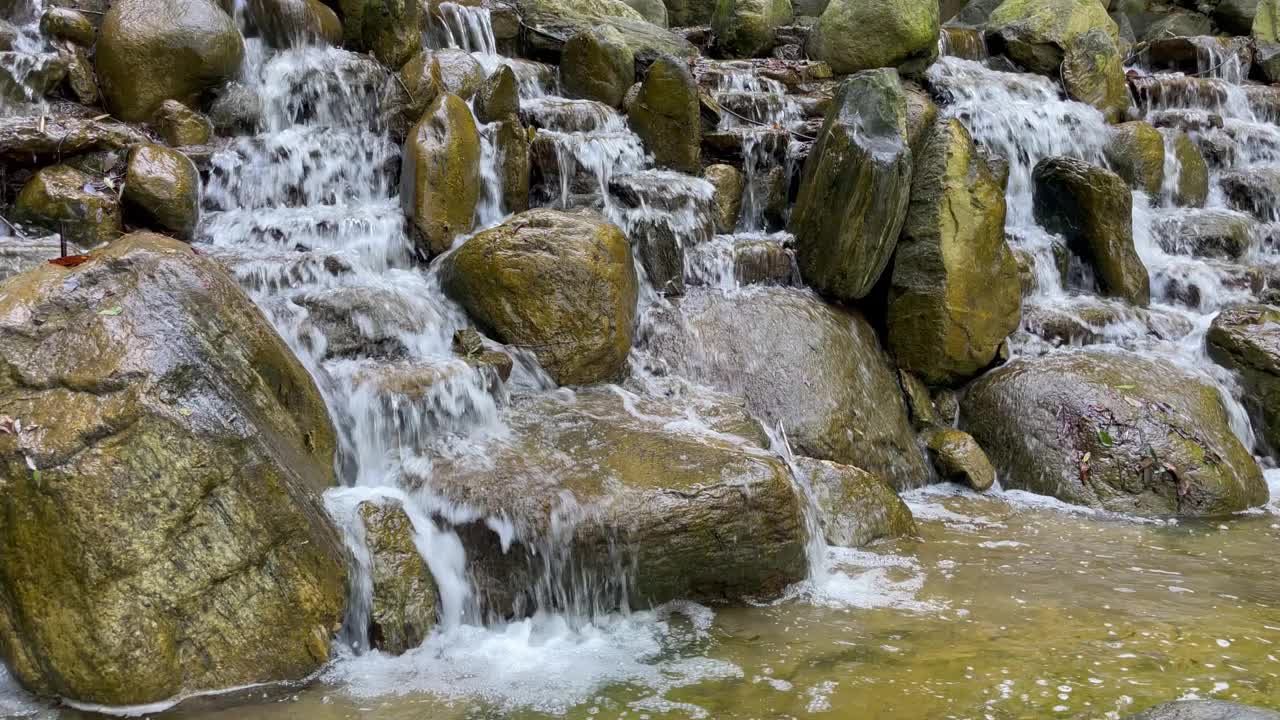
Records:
x=561, y=284
x=1113, y=430
x=855, y=188
x=149, y=51
x=555, y=21
x=162, y=187
x=1266, y=21
x=1246, y=339
x=667, y=116
x=958, y=458
x=1093, y=209
x=180, y=452
x=955, y=294
x=68, y=24
x=1193, y=172
x=855, y=507
x=179, y=125
x=1037, y=33
x=389, y=29
x=1136, y=152
x=498, y=98
x=728, y=183
x=1093, y=73
x=653, y=11
x=748, y=28
x=404, y=601
x=597, y=64
x=62, y=199
x=854, y=35
x=289, y=23
x=440, y=174
x=514, y=164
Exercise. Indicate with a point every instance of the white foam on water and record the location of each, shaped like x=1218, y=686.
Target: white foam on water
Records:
x=861, y=579
x=14, y=701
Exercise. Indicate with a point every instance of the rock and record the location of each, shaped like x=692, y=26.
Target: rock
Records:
x=555, y=21
x=440, y=175
x=1235, y=16
x=855, y=188
x=236, y=109
x=1246, y=339
x=80, y=79
x=1205, y=709
x=561, y=284
x=1216, y=233
x=162, y=187
x=67, y=24
x=596, y=489
x=26, y=78
x=150, y=51
x=1266, y=22
x=1037, y=33
x=499, y=97
x=514, y=164
x=1267, y=61
x=1192, y=189
x=64, y=200
x=666, y=115
x=1112, y=430
x=1179, y=24
x=858, y=418
x=179, y=125
x=597, y=64
x=181, y=451
x=728, y=183
x=1093, y=73
x=955, y=294
x=854, y=35
x=403, y=611
x=855, y=507
x=419, y=83
x=654, y=11
x=390, y=29
x=764, y=262
x=1093, y=209
x=287, y=23
x=922, y=113
x=460, y=73
x=39, y=141
x=1136, y=152
x=687, y=13
x=957, y=457
x=1253, y=190
x=748, y=28
x=661, y=254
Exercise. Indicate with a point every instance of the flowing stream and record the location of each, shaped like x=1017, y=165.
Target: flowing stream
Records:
x=1008, y=605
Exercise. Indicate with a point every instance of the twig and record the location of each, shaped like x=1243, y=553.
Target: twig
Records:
x=13, y=227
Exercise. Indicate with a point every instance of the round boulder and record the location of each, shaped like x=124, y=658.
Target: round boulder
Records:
x=62, y=199
x=597, y=64
x=855, y=35
x=748, y=28
x=1136, y=152
x=162, y=188
x=1037, y=33
x=855, y=507
x=440, y=174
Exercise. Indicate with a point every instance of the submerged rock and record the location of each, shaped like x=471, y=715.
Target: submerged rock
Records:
x=748, y=28
x=1246, y=339
x=1113, y=430
x=597, y=64
x=855, y=507
x=666, y=115
x=65, y=200
x=179, y=451
x=854, y=35
x=162, y=187
x=855, y=188
x=1205, y=709
x=957, y=457
x=440, y=175
x=621, y=496
x=810, y=368
x=561, y=284
x=404, y=593
x=1093, y=209
x=149, y=51
x=955, y=294
x=1136, y=152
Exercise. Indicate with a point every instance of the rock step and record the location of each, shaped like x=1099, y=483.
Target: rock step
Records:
x=758, y=107
x=566, y=115
x=729, y=261
x=373, y=234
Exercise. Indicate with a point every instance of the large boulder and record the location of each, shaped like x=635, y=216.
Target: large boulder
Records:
x=858, y=418
x=166, y=478
x=402, y=610
x=149, y=51
x=1092, y=208
x=1038, y=33
x=1235, y=16
x=1246, y=339
x=748, y=28
x=62, y=199
x=855, y=507
x=955, y=294
x=597, y=64
x=440, y=174
x=390, y=29
x=1136, y=152
x=854, y=35
x=1113, y=430
x=1205, y=710
x=605, y=485
x=855, y=187
x=285, y=23
x=666, y=114
x=561, y=284
x=1093, y=73
x=555, y=21
x=162, y=187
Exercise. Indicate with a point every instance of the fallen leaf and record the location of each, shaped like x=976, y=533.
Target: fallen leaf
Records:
x=69, y=261
x=1086, y=457
x=1125, y=387
x=111, y=311
x=184, y=411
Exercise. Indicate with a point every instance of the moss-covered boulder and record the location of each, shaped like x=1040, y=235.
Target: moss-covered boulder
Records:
x=179, y=125
x=597, y=64
x=403, y=607
x=286, y=23
x=1136, y=152
x=653, y=11
x=1093, y=73
x=150, y=51
x=162, y=189
x=561, y=284
x=955, y=294
x=1037, y=33
x=42, y=140
x=748, y=28
x=1266, y=21
x=67, y=24
x=440, y=174
x=728, y=183
x=390, y=29
x=1246, y=338
x=498, y=98
x=855, y=187
x=854, y=35
x=555, y=21
x=666, y=115
x=855, y=507
x=687, y=13
x=1113, y=430
x=167, y=478
x=459, y=73
x=1093, y=209
x=514, y=164
x=62, y=199
x=1192, y=189
x=957, y=457
x=859, y=417
x=606, y=485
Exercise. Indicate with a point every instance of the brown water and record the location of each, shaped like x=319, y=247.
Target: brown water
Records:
x=1006, y=607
